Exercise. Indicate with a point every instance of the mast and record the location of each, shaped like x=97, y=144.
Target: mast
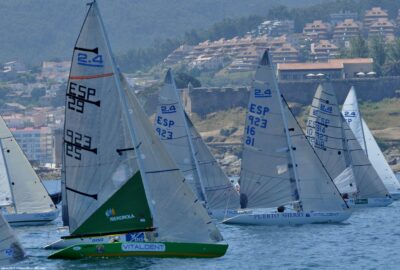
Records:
x=126, y=112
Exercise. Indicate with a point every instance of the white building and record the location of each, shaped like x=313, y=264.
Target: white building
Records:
x=37, y=143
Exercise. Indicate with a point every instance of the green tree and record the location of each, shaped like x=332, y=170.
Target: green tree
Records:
x=358, y=47
x=377, y=50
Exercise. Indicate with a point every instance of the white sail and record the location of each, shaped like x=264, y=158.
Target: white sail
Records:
x=190, y=153
x=368, y=182
x=379, y=162
x=11, y=250
x=177, y=211
x=94, y=128
x=267, y=177
x=325, y=132
x=220, y=192
x=118, y=141
x=5, y=189
x=18, y=181
x=352, y=114
x=337, y=147
x=171, y=128
x=365, y=138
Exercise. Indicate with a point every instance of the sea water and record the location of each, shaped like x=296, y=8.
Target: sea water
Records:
x=370, y=239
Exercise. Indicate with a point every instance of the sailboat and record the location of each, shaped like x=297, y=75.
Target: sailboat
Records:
x=191, y=154
x=341, y=153
x=352, y=114
x=28, y=200
x=123, y=194
x=282, y=181
x=11, y=250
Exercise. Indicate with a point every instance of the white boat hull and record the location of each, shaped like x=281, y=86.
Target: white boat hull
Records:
x=31, y=219
x=368, y=202
x=222, y=214
x=287, y=218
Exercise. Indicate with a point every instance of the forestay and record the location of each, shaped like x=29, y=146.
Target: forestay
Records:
x=20, y=187
x=267, y=177
x=11, y=250
x=365, y=138
x=99, y=156
x=177, y=212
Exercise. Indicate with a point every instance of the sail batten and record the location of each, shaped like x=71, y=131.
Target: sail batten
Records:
x=94, y=132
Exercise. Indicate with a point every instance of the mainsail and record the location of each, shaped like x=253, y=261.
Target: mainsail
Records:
x=11, y=250
x=337, y=147
x=279, y=165
x=189, y=151
x=20, y=187
x=112, y=155
x=268, y=176
x=100, y=166
x=367, y=141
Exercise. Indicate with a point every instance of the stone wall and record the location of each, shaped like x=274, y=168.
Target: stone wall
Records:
x=203, y=101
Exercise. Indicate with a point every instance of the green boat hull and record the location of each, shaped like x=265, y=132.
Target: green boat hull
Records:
x=142, y=249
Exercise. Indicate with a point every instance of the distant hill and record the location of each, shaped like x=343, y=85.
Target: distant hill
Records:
x=37, y=30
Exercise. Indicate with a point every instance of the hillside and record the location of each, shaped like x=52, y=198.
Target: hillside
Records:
x=36, y=30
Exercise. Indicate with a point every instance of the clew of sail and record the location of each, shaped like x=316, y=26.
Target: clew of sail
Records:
x=11, y=250
x=100, y=168
x=20, y=186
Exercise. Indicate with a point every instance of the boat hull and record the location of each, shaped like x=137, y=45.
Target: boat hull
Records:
x=395, y=196
x=31, y=219
x=142, y=249
x=368, y=202
x=289, y=218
